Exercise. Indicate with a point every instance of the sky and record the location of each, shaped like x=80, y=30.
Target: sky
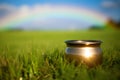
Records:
x=57, y=14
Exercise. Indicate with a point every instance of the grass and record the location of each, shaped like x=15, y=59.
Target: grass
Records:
x=30, y=55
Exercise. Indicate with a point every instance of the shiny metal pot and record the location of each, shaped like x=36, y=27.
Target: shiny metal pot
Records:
x=84, y=51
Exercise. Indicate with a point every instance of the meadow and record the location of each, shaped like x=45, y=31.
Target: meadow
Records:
x=39, y=55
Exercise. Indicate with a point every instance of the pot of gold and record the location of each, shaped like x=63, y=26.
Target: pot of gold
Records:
x=84, y=51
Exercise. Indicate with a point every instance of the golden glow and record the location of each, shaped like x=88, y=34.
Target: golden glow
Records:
x=87, y=43
x=87, y=53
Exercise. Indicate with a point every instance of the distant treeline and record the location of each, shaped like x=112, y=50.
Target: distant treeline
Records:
x=110, y=23
x=14, y=29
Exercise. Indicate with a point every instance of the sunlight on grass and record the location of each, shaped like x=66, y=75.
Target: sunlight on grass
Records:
x=41, y=56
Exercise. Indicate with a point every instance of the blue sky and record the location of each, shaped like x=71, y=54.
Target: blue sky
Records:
x=110, y=8
x=94, y=4
x=30, y=2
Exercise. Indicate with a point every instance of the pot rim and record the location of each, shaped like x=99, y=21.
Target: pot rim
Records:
x=86, y=42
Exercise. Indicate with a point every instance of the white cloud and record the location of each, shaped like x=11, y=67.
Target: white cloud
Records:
x=110, y=4
x=7, y=7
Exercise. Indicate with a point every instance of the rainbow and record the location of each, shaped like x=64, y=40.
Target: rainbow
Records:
x=69, y=12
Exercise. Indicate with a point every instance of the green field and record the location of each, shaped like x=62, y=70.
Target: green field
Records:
x=35, y=55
